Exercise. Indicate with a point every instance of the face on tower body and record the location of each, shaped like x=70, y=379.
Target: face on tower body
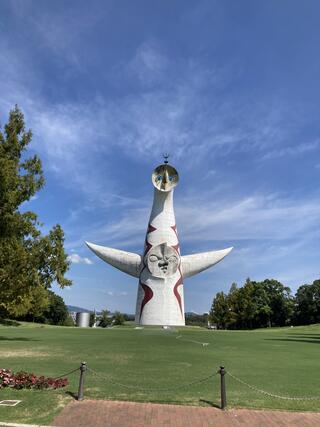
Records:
x=165, y=177
x=162, y=261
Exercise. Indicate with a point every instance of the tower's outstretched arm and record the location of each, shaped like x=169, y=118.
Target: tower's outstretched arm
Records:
x=131, y=263
x=193, y=264
x=128, y=262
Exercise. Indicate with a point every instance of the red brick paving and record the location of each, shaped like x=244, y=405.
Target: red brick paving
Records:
x=103, y=413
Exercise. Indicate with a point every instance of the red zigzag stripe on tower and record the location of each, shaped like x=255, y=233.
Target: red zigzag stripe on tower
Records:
x=176, y=247
x=151, y=228
x=147, y=245
x=174, y=228
x=180, y=281
x=176, y=292
x=148, y=294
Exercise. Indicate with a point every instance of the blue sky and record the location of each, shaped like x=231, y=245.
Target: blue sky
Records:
x=230, y=89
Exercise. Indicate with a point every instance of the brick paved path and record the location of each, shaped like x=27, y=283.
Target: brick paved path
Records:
x=102, y=413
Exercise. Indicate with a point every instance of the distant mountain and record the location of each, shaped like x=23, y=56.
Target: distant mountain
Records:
x=194, y=313
x=77, y=309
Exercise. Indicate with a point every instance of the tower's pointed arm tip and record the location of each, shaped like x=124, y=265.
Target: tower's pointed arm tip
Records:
x=193, y=264
x=128, y=262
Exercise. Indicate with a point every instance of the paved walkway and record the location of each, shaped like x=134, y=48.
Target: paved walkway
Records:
x=102, y=413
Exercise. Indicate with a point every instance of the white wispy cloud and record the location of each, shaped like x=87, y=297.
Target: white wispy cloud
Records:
x=124, y=232
x=60, y=32
x=148, y=64
x=292, y=150
x=72, y=136
x=115, y=294
x=148, y=122
x=261, y=216
x=77, y=259
x=204, y=218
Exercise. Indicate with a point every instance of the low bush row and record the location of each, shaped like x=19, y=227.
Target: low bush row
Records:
x=23, y=379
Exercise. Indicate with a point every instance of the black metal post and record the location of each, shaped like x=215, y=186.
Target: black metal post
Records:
x=222, y=373
x=83, y=368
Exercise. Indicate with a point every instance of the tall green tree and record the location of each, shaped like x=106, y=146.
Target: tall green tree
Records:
x=261, y=304
x=29, y=261
x=254, y=305
x=307, y=309
x=105, y=318
x=220, y=311
x=57, y=312
x=118, y=318
x=242, y=307
x=281, y=302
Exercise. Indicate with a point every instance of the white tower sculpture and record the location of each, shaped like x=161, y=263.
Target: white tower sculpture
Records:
x=161, y=269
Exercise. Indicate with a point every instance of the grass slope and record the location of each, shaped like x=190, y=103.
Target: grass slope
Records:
x=282, y=361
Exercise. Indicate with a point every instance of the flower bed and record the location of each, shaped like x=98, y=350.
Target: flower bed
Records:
x=23, y=379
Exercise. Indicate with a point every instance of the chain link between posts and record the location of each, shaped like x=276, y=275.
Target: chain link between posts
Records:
x=144, y=389
x=66, y=374
x=277, y=396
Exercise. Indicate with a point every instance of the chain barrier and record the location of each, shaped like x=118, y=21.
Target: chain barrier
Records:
x=133, y=387
x=66, y=374
x=270, y=394
x=195, y=382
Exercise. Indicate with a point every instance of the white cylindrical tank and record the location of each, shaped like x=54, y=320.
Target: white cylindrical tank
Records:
x=83, y=320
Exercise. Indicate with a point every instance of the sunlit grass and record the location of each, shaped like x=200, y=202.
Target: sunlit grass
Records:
x=281, y=361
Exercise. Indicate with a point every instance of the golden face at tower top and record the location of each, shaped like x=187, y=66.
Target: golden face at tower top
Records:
x=165, y=177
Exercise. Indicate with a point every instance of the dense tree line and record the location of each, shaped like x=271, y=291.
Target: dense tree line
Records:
x=55, y=313
x=106, y=319
x=30, y=262
x=265, y=304
x=307, y=308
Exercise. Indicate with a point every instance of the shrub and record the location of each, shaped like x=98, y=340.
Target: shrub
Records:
x=118, y=318
x=23, y=379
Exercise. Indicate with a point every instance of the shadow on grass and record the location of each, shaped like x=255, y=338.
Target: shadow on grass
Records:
x=72, y=394
x=313, y=336
x=7, y=322
x=302, y=339
x=17, y=339
x=209, y=403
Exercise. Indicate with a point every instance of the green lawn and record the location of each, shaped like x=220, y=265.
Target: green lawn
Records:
x=282, y=361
